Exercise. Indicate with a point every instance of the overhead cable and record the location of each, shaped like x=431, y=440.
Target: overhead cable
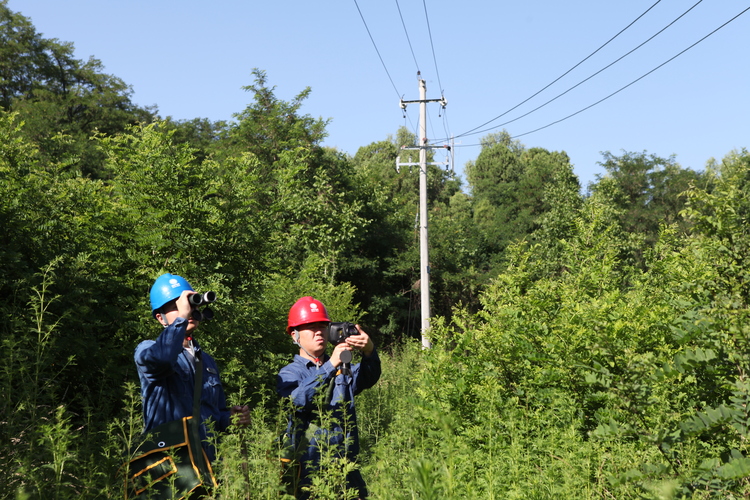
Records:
x=589, y=77
x=437, y=71
x=376, y=50
x=561, y=76
x=446, y=127
x=407, y=36
x=629, y=84
x=429, y=31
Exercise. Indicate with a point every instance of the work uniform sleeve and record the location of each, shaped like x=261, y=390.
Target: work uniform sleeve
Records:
x=213, y=398
x=367, y=372
x=293, y=380
x=224, y=417
x=156, y=359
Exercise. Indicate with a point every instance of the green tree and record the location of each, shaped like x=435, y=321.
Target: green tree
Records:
x=201, y=134
x=457, y=264
x=498, y=164
x=648, y=190
x=270, y=126
x=63, y=101
x=512, y=188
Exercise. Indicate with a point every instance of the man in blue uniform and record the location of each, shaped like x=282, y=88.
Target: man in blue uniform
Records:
x=166, y=365
x=313, y=372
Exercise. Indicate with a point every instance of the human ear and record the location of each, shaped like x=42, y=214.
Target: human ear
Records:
x=161, y=319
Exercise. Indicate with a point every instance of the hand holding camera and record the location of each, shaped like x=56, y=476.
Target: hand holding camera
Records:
x=361, y=342
x=339, y=332
x=341, y=355
x=346, y=337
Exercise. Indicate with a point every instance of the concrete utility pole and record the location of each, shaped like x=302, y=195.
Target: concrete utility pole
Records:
x=423, y=239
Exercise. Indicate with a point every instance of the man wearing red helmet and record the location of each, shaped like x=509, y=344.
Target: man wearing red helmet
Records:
x=313, y=372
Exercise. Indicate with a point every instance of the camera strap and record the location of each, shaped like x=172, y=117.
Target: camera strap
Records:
x=318, y=362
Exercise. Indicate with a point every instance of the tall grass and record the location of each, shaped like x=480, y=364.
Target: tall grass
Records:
x=443, y=423
x=419, y=441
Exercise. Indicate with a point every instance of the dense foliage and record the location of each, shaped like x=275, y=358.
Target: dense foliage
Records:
x=583, y=346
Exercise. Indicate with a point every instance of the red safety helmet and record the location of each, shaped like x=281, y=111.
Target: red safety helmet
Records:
x=306, y=310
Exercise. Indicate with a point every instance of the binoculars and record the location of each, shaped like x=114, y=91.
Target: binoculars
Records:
x=199, y=299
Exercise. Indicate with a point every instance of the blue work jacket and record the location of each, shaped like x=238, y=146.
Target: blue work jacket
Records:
x=166, y=371
x=302, y=380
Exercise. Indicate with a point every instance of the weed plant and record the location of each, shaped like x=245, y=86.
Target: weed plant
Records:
x=419, y=440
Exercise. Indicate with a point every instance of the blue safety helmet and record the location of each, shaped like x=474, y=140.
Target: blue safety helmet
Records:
x=167, y=287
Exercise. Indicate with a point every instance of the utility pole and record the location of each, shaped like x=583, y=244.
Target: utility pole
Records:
x=424, y=266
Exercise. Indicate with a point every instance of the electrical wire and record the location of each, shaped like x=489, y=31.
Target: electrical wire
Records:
x=407, y=36
x=589, y=77
x=446, y=127
x=628, y=85
x=634, y=81
x=561, y=76
x=429, y=31
x=437, y=71
x=413, y=127
x=412, y=53
x=429, y=120
x=376, y=50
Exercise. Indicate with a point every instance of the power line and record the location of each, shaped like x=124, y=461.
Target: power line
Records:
x=432, y=126
x=406, y=116
x=591, y=76
x=561, y=76
x=626, y=86
x=407, y=36
x=413, y=129
x=429, y=31
x=411, y=48
x=376, y=50
x=437, y=71
x=446, y=127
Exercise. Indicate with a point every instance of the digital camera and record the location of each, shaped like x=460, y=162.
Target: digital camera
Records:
x=339, y=332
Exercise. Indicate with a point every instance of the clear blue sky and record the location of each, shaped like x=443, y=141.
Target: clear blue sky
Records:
x=190, y=58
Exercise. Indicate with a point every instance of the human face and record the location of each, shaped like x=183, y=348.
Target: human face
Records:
x=169, y=313
x=312, y=338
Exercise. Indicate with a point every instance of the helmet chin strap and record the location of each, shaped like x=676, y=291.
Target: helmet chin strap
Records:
x=162, y=319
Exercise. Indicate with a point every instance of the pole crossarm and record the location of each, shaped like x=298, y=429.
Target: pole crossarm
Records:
x=410, y=164
x=443, y=102
x=425, y=147
x=400, y=164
